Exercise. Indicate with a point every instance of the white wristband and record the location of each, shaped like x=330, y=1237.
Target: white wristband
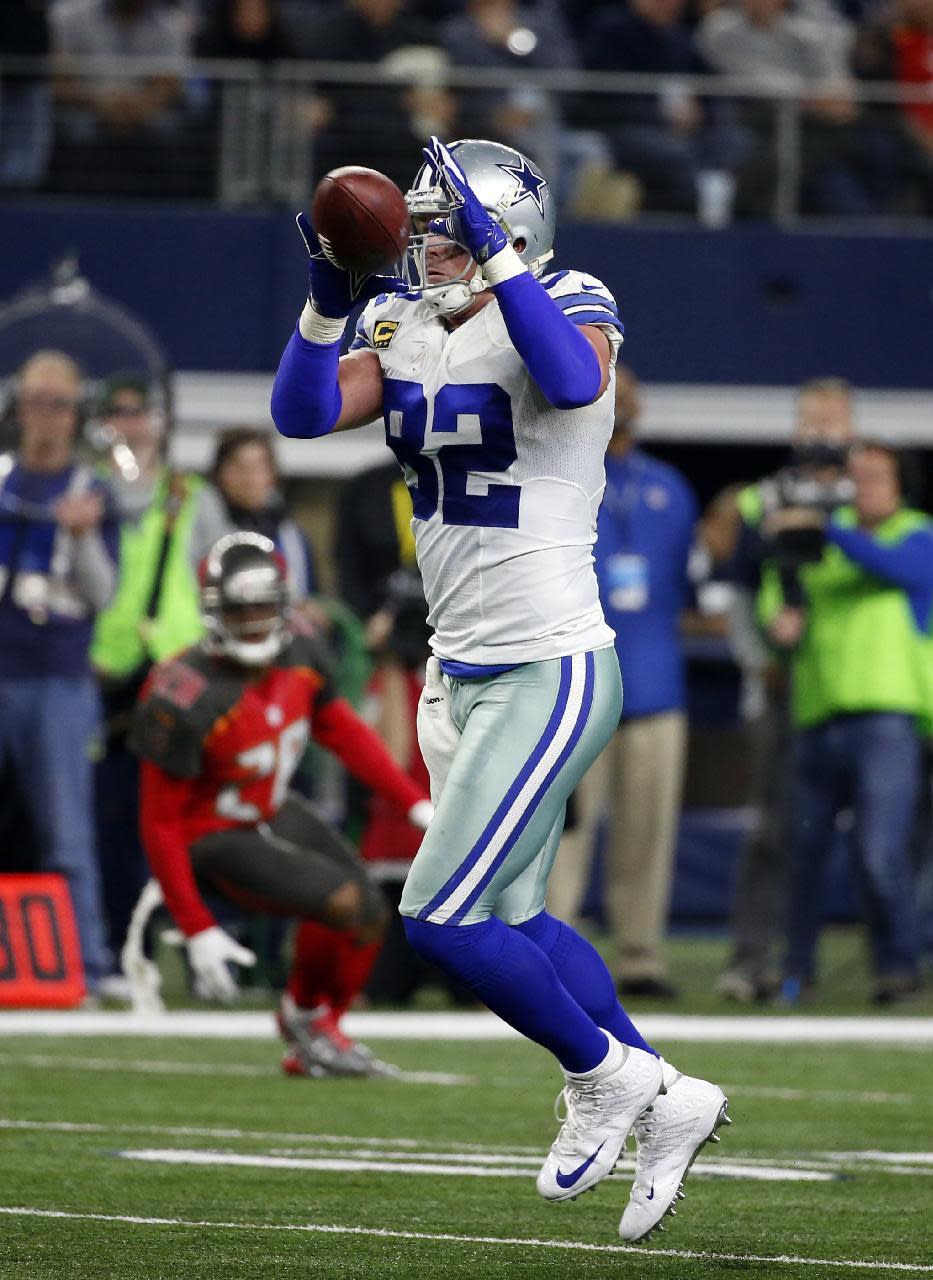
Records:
x=502, y=266
x=314, y=327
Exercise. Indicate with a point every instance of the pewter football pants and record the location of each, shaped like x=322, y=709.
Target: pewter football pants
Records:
x=526, y=737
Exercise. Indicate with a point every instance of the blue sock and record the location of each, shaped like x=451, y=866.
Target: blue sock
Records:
x=582, y=970
x=516, y=980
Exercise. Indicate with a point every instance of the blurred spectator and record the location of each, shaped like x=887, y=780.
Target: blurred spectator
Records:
x=912, y=38
x=26, y=118
x=245, y=474
x=166, y=528
x=848, y=165
x=823, y=433
x=862, y=676
x=119, y=132
x=58, y=552
x=645, y=533
x=897, y=44
x=504, y=35
x=251, y=29
x=684, y=150
x=383, y=126
x=374, y=539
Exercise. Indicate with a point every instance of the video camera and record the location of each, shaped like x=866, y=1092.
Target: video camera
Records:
x=795, y=503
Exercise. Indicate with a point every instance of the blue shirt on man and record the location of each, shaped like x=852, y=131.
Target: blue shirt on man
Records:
x=644, y=535
x=45, y=619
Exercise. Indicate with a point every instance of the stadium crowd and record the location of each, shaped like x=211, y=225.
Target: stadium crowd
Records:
x=665, y=145
x=818, y=580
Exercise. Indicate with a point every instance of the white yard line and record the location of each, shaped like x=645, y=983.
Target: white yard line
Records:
x=580, y=1246
x=913, y=1163
x=382, y=1164
x=157, y=1068
x=228, y=1025
x=320, y=1164
x=818, y=1095
x=191, y=1131
x=254, y=1071
x=884, y=1157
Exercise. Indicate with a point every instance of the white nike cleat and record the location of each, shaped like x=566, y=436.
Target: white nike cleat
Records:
x=601, y=1107
x=669, y=1136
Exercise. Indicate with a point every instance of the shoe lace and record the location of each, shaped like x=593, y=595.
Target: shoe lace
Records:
x=577, y=1107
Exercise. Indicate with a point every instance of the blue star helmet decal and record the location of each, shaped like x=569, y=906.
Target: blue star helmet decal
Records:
x=532, y=185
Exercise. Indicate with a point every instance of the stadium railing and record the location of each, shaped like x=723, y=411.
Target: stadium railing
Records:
x=243, y=133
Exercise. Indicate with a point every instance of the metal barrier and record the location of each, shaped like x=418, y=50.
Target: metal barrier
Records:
x=243, y=133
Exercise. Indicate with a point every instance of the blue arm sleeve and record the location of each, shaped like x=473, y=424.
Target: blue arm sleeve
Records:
x=907, y=564
x=306, y=399
x=558, y=355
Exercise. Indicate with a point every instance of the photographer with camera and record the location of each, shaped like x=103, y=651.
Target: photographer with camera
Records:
x=777, y=519
x=857, y=631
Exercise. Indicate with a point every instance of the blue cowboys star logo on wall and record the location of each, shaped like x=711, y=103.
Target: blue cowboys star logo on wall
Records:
x=532, y=185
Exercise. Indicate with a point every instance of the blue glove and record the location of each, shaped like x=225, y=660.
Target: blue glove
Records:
x=332, y=290
x=469, y=223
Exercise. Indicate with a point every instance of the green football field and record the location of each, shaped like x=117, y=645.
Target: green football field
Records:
x=186, y=1159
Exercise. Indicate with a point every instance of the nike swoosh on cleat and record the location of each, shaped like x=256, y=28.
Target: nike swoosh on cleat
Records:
x=650, y=1195
x=568, y=1179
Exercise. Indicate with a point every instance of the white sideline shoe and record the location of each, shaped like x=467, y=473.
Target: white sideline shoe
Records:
x=669, y=1136
x=601, y=1110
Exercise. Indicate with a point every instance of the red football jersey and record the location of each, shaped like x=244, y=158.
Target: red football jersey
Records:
x=239, y=737
x=219, y=744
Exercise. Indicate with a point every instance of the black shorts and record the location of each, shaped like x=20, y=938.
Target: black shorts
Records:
x=288, y=867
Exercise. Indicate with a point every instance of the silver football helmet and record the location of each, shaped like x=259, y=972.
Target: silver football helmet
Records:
x=513, y=190
x=244, y=599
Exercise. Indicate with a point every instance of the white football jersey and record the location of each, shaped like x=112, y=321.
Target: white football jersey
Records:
x=505, y=487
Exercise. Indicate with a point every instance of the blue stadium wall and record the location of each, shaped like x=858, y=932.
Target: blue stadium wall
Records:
x=747, y=305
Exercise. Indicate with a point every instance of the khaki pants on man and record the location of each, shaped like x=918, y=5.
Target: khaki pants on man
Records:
x=638, y=782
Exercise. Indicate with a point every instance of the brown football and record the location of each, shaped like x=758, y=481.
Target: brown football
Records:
x=362, y=217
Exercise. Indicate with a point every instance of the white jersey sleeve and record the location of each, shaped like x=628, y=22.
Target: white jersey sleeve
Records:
x=586, y=300
x=380, y=319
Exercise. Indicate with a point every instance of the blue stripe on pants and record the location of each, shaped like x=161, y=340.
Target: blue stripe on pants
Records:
x=511, y=795
x=586, y=704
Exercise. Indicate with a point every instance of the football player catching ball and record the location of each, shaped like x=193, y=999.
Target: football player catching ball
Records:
x=494, y=375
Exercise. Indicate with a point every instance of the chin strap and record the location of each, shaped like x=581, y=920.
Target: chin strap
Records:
x=448, y=299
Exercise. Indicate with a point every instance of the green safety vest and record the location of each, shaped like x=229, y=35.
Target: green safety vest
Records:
x=124, y=637
x=861, y=650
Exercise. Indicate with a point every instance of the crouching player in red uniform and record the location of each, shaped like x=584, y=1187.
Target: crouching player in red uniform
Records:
x=221, y=729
